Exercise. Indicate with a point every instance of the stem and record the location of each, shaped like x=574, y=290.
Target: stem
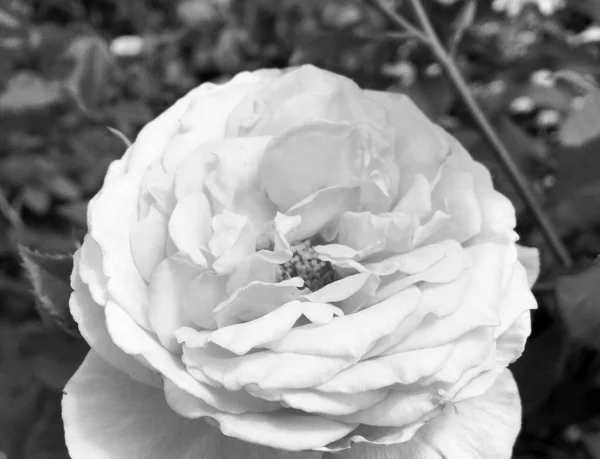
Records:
x=518, y=179
x=399, y=21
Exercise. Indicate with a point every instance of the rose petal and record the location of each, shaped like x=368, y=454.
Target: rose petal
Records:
x=138, y=342
x=165, y=306
x=351, y=292
x=455, y=195
x=482, y=427
x=290, y=172
x=217, y=400
x=190, y=228
x=361, y=230
x=449, y=268
x=90, y=270
x=479, y=305
x=201, y=296
x=421, y=146
x=255, y=300
x=92, y=326
x=148, y=242
x=205, y=117
x=312, y=401
x=498, y=218
x=400, y=408
x=529, y=257
x=417, y=199
x=233, y=179
x=302, y=95
x=407, y=367
x=241, y=338
x=419, y=260
x=110, y=225
x=264, y=369
x=233, y=241
x=350, y=336
x=110, y=416
x=152, y=140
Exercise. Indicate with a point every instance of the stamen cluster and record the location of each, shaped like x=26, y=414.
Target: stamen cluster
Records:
x=306, y=264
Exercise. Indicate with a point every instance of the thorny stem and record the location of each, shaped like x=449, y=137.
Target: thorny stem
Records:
x=429, y=37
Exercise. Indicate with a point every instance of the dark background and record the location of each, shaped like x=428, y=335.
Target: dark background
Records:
x=70, y=68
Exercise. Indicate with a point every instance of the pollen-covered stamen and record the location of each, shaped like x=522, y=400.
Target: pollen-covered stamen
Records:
x=306, y=264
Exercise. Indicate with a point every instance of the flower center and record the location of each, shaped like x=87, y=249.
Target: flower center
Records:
x=306, y=264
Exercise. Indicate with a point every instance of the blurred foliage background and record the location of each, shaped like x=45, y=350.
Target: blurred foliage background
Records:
x=71, y=69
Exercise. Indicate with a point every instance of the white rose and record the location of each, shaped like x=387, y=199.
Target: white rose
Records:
x=307, y=266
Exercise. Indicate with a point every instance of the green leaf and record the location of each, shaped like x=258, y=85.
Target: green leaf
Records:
x=578, y=298
x=90, y=79
x=583, y=122
x=75, y=212
x=27, y=91
x=49, y=275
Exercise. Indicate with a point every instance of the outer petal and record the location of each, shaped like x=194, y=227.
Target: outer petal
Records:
x=92, y=325
x=107, y=415
x=484, y=427
x=421, y=146
x=110, y=225
x=529, y=257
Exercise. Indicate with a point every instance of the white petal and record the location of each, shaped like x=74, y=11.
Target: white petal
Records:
x=484, y=427
x=529, y=257
x=241, y=338
x=92, y=325
x=232, y=181
x=421, y=146
x=148, y=242
x=323, y=207
x=232, y=242
x=201, y=296
x=351, y=292
x=350, y=336
x=255, y=300
x=113, y=213
x=189, y=226
x=310, y=157
x=107, y=415
x=91, y=270
x=165, y=306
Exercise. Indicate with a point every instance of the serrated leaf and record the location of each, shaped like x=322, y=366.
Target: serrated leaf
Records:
x=583, y=123
x=49, y=275
x=578, y=298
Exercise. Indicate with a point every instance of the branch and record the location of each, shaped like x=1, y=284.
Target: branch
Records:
x=518, y=179
x=398, y=21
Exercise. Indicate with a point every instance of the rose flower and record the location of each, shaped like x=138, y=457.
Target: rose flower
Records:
x=286, y=265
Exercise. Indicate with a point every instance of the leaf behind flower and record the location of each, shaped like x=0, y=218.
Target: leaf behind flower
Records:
x=49, y=275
